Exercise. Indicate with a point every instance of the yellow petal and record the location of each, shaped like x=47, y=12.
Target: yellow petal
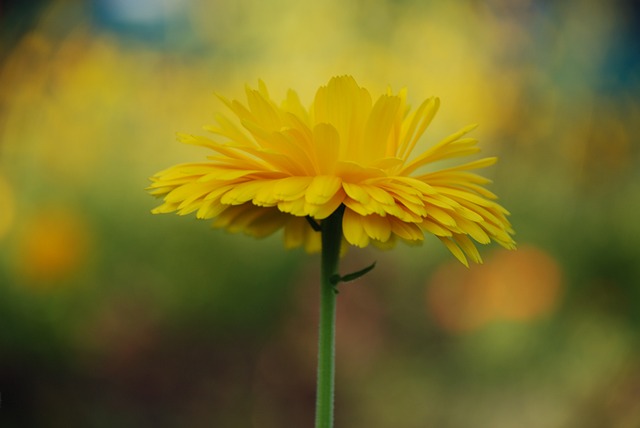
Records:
x=294, y=232
x=353, y=230
x=441, y=215
x=210, y=209
x=293, y=106
x=414, y=186
x=322, y=189
x=454, y=249
x=320, y=212
x=167, y=207
x=245, y=218
x=231, y=212
x=388, y=163
x=228, y=129
x=226, y=174
x=327, y=147
x=372, y=207
x=265, y=196
x=469, y=214
x=297, y=232
x=407, y=231
x=267, y=223
x=217, y=193
x=423, y=116
x=181, y=193
x=379, y=194
x=241, y=193
x=275, y=160
x=263, y=110
x=433, y=152
x=468, y=247
x=377, y=227
x=291, y=188
x=435, y=228
x=346, y=106
x=284, y=144
x=378, y=127
x=356, y=192
x=295, y=207
x=312, y=241
x=356, y=173
x=473, y=230
x=461, y=195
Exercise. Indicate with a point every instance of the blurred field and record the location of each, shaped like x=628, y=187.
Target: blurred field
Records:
x=112, y=317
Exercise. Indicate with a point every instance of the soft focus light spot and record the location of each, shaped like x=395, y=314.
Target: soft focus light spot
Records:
x=53, y=246
x=454, y=302
x=7, y=212
x=521, y=286
x=141, y=11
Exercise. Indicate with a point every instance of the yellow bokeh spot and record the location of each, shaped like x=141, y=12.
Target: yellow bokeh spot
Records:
x=53, y=246
x=519, y=286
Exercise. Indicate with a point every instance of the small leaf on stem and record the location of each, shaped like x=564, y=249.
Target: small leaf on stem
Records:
x=335, y=279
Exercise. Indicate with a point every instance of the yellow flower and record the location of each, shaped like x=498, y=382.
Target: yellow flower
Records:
x=279, y=166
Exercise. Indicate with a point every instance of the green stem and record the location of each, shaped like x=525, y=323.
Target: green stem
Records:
x=331, y=241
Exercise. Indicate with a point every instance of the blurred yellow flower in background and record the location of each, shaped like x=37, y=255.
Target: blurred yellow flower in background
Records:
x=281, y=165
x=54, y=246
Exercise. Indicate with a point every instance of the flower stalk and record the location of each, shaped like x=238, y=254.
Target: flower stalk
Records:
x=331, y=232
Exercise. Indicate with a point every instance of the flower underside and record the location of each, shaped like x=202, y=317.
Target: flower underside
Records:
x=277, y=165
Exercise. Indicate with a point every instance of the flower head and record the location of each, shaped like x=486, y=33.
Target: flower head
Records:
x=277, y=166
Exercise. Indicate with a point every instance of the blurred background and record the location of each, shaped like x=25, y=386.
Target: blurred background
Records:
x=110, y=316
